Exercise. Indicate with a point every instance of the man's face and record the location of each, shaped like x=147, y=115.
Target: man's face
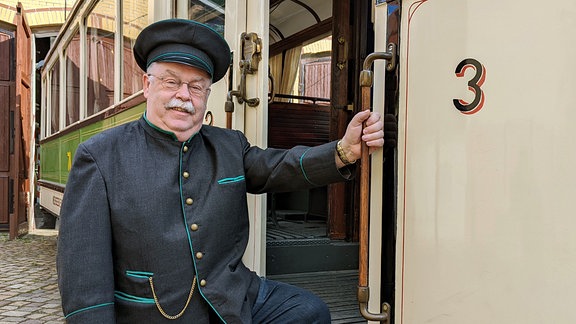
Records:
x=176, y=97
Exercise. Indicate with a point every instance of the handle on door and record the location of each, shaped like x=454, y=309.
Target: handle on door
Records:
x=366, y=81
x=251, y=55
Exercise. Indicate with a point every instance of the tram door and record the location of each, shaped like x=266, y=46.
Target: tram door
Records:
x=248, y=28
x=6, y=121
x=383, y=169
x=247, y=33
x=486, y=162
x=15, y=128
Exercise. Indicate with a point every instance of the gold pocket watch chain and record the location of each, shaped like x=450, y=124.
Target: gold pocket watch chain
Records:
x=172, y=317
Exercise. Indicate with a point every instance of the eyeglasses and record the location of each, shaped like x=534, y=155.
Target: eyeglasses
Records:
x=173, y=84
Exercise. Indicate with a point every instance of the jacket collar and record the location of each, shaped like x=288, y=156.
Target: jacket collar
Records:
x=157, y=132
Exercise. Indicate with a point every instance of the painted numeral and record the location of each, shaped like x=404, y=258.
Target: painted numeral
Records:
x=474, y=85
x=69, y=156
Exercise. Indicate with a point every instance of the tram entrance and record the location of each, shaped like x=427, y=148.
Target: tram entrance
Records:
x=301, y=234
x=299, y=243
x=294, y=81
x=311, y=100
x=310, y=234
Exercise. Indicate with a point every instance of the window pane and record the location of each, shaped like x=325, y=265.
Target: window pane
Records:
x=315, y=69
x=100, y=56
x=209, y=12
x=302, y=74
x=135, y=13
x=73, y=80
x=315, y=79
x=55, y=98
x=44, y=106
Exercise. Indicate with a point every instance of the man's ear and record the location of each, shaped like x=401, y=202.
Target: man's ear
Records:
x=145, y=84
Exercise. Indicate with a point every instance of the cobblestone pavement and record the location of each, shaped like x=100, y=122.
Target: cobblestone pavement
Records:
x=28, y=288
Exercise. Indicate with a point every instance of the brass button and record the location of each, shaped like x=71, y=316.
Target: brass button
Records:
x=194, y=227
x=189, y=201
x=185, y=149
x=185, y=174
x=202, y=283
x=199, y=255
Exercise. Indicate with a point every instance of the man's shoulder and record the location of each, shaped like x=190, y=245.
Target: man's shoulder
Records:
x=112, y=135
x=220, y=133
x=209, y=129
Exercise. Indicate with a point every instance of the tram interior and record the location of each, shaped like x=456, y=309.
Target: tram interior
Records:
x=299, y=249
x=299, y=114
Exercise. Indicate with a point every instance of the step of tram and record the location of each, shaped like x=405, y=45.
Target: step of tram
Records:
x=293, y=247
x=310, y=255
x=337, y=288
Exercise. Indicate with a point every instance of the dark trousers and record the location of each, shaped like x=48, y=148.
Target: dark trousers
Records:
x=279, y=302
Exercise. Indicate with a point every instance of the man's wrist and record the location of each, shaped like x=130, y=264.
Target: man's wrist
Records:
x=342, y=154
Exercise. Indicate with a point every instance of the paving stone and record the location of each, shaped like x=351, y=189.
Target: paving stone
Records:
x=15, y=313
x=10, y=320
x=28, y=285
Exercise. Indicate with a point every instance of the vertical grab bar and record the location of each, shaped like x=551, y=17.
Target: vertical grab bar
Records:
x=366, y=81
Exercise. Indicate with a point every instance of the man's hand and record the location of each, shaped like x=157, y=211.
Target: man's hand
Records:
x=372, y=134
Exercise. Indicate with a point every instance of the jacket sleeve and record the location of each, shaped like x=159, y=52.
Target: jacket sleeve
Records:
x=84, y=260
x=300, y=167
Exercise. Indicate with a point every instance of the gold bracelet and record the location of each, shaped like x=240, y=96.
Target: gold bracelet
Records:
x=342, y=155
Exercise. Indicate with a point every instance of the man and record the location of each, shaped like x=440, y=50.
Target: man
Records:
x=154, y=217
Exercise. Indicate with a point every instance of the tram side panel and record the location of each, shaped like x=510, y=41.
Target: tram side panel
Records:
x=486, y=156
x=57, y=153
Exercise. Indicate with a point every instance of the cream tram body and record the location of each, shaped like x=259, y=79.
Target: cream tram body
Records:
x=486, y=181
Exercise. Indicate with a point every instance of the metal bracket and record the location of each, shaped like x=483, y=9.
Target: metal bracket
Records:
x=251, y=52
x=363, y=296
x=251, y=56
x=366, y=75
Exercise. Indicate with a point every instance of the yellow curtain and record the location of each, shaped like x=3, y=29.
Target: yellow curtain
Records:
x=290, y=71
x=275, y=64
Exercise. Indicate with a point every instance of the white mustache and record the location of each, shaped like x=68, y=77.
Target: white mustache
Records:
x=177, y=103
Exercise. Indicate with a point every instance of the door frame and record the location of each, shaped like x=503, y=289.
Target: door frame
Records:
x=251, y=16
x=20, y=220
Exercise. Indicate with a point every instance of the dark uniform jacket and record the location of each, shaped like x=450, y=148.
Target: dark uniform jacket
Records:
x=143, y=210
